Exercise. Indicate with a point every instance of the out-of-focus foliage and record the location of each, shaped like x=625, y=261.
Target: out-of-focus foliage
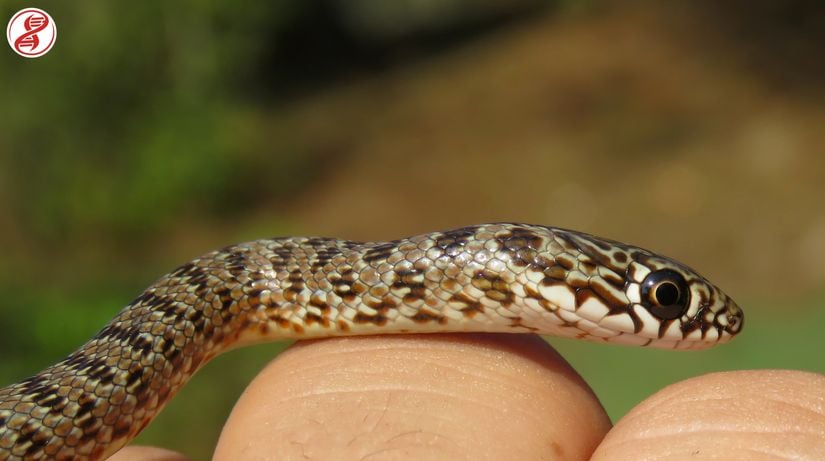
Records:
x=138, y=114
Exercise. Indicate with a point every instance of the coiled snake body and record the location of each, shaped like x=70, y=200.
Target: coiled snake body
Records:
x=491, y=277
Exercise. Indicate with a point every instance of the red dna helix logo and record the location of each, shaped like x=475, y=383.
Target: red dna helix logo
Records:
x=31, y=32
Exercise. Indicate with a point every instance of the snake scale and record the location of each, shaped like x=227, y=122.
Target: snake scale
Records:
x=503, y=277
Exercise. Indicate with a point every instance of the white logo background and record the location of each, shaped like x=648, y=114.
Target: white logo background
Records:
x=31, y=32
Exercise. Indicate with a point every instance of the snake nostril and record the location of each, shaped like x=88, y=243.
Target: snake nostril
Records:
x=735, y=321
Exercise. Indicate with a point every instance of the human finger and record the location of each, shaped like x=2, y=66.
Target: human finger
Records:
x=740, y=415
x=463, y=396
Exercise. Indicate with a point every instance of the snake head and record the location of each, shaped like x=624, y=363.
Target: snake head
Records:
x=685, y=309
x=618, y=293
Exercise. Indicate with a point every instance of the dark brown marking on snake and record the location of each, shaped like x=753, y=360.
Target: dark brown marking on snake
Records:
x=195, y=316
x=74, y=361
x=471, y=306
x=520, y=244
x=342, y=284
x=224, y=295
x=184, y=270
x=324, y=255
x=587, y=267
x=450, y=285
x=376, y=319
x=359, y=288
x=639, y=256
x=582, y=295
x=348, y=275
x=296, y=284
x=424, y=316
x=493, y=286
x=542, y=262
x=599, y=244
x=84, y=417
x=566, y=261
x=412, y=280
x=36, y=384
x=281, y=256
x=516, y=322
x=50, y=400
x=275, y=316
x=637, y=322
x=380, y=252
x=172, y=354
x=614, y=279
x=532, y=294
x=596, y=249
x=311, y=318
x=36, y=443
x=533, y=240
x=382, y=306
x=134, y=383
x=694, y=323
x=122, y=428
x=96, y=368
x=114, y=331
x=198, y=277
x=620, y=256
x=236, y=263
x=663, y=326
x=632, y=273
x=564, y=239
x=524, y=257
x=553, y=275
x=606, y=295
x=453, y=239
x=140, y=343
x=314, y=301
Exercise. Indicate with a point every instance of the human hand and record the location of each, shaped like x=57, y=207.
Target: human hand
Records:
x=498, y=396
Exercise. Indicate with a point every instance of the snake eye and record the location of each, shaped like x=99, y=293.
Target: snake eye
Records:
x=665, y=294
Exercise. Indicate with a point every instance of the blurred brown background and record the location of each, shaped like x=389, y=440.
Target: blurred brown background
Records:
x=152, y=133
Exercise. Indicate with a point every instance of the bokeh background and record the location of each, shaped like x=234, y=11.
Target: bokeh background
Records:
x=156, y=131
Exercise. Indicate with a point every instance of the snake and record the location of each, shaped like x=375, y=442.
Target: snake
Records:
x=499, y=277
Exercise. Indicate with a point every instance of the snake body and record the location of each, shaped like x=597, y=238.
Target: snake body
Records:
x=501, y=277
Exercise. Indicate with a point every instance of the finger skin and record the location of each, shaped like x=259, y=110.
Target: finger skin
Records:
x=740, y=415
x=422, y=397
x=141, y=453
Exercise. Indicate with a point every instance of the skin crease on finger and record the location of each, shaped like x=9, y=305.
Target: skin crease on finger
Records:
x=739, y=415
x=422, y=397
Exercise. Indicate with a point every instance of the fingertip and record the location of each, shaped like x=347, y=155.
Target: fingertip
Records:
x=747, y=415
x=463, y=396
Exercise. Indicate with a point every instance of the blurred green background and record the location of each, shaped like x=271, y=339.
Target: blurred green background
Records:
x=156, y=131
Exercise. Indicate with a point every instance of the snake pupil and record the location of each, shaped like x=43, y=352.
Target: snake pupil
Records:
x=665, y=294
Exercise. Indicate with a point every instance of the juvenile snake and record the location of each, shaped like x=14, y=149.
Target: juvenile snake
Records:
x=517, y=278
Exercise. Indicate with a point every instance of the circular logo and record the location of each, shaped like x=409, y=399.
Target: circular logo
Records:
x=31, y=32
